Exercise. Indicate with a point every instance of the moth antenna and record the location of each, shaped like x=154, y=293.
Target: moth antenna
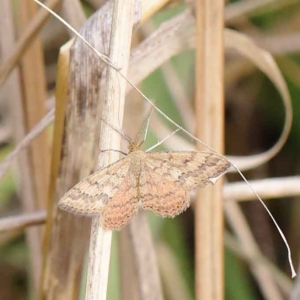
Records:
x=274, y=221
x=144, y=128
x=159, y=143
x=118, y=131
x=119, y=113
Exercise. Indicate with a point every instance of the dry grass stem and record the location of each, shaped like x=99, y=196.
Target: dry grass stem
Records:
x=295, y=295
x=266, y=63
x=34, y=96
x=26, y=39
x=128, y=280
x=209, y=122
x=25, y=142
x=22, y=221
x=282, y=280
x=267, y=188
x=173, y=282
x=171, y=38
x=175, y=86
x=279, y=44
x=64, y=249
x=179, y=96
x=146, y=267
x=5, y=134
x=13, y=91
x=262, y=273
x=236, y=10
x=113, y=108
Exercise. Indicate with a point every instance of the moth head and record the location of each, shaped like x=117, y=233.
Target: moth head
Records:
x=133, y=147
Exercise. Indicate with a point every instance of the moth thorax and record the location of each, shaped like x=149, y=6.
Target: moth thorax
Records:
x=133, y=147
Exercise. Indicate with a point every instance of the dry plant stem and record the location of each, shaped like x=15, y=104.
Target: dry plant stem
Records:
x=128, y=279
x=174, y=286
x=26, y=141
x=267, y=64
x=262, y=273
x=295, y=295
x=78, y=154
x=34, y=95
x=171, y=38
x=13, y=96
x=279, y=44
x=234, y=11
x=179, y=96
x=27, y=37
x=5, y=134
x=209, y=119
x=176, y=89
x=145, y=259
x=66, y=236
x=22, y=221
x=113, y=107
x=282, y=280
x=267, y=188
x=10, y=236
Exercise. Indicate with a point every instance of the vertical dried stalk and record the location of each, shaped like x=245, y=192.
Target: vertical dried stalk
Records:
x=128, y=278
x=12, y=91
x=295, y=295
x=74, y=156
x=63, y=248
x=148, y=277
x=140, y=277
x=262, y=273
x=34, y=82
x=113, y=107
x=209, y=110
x=129, y=284
x=34, y=96
x=25, y=40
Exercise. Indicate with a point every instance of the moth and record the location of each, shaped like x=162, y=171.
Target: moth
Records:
x=157, y=181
